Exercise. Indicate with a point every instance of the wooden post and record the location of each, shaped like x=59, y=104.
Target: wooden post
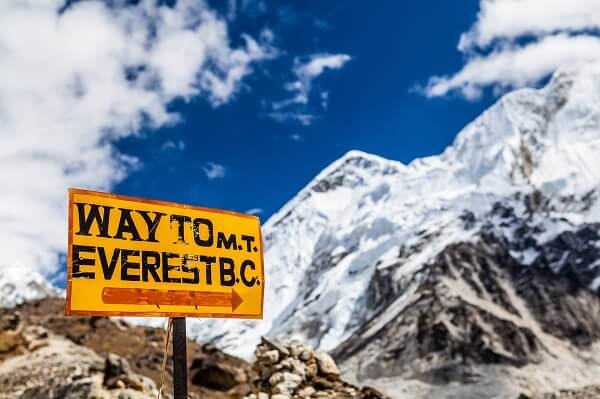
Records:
x=179, y=359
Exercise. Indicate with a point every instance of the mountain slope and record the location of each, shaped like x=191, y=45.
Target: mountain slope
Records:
x=478, y=266
x=353, y=256
x=533, y=152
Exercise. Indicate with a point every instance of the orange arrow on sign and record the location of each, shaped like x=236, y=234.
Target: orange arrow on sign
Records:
x=142, y=296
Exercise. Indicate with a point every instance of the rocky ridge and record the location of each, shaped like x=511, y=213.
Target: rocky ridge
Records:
x=44, y=355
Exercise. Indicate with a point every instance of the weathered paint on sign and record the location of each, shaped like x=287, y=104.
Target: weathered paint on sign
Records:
x=137, y=257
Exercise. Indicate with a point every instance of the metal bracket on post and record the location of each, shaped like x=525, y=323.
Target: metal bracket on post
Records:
x=179, y=359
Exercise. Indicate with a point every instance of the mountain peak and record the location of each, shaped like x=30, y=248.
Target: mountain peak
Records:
x=18, y=285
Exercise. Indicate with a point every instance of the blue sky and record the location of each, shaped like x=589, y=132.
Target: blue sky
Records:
x=371, y=106
x=237, y=104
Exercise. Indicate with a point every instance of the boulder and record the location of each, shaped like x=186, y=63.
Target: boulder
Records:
x=115, y=366
x=326, y=364
x=213, y=374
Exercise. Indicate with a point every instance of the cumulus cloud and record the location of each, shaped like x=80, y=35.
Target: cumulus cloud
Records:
x=515, y=43
x=510, y=19
x=306, y=71
x=76, y=78
x=214, y=170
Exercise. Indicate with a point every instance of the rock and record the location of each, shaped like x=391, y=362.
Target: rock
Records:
x=370, y=393
x=287, y=384
x=296, y=348
x=131, y=394
x=312, y=369
x=293, y=365
x=268, y=357
x=326, y=364
x=10, y=321
x=11, y=344
x=36, y=337
x=118, y=375
x=32, y=333
x=209, y=348
x=306, y=392
x=284, y=351
x=305, y=355
x=114, y=367
x=212, y=374
x=324, y=383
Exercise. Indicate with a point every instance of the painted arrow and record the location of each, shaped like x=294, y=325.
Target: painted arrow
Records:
x=142, y=296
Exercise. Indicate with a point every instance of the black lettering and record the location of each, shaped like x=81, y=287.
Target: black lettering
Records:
x=249, y=240
x=226, y=266
x=193, y=270
x=181, y=220
x=108, y=269
x=245, y=264
x=150, y=266
x=166, y=268
x=209, y=260
x=151, y=223
x=86, y=221
x=126, y=265
x=127, y=225
x=199, y=240
x=227, y=243
x=78, y=261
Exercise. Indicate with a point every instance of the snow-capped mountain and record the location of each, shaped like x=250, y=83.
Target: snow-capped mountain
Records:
x=480, y=265
x=363, y=213
x=19, y=284
x=499, y=230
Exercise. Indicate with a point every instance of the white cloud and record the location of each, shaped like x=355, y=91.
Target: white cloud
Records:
x=173, y=145
x=516, y=43
x=308, y=71
x=304, y=118
x=214, y=170
x=254, y=211
x=296, y=137
x=74, y=81
x=509, y=19
x=295, y=107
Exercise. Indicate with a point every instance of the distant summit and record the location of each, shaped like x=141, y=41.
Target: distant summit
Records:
x=18, y=285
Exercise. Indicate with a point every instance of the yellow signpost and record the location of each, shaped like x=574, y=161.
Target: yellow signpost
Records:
x=137, y=257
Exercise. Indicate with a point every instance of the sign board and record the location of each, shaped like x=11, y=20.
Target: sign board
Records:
x=137, y=257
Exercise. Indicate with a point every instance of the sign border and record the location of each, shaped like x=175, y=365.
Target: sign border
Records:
x=72, y=312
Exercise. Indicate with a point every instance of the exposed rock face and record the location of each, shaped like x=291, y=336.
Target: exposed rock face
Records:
x=476, y=308
x=52, y=367
x=294, y=371
x=591, y=392
x=44, y=355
